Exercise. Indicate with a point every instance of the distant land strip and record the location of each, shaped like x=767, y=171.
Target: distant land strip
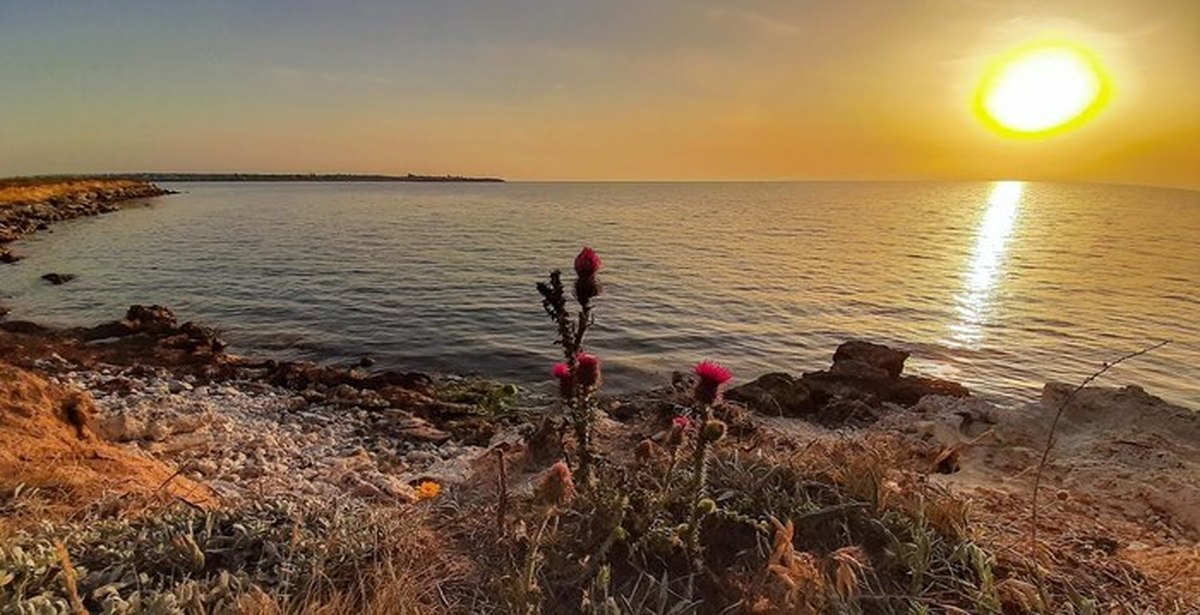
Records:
x=251, y=177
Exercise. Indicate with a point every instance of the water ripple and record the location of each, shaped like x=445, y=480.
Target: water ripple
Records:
x=1001, y=286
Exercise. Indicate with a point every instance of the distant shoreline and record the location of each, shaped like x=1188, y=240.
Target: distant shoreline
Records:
x=259, y=177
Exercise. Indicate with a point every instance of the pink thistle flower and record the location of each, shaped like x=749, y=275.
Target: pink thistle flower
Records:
x=680, y=422
x=712, y=376
x=587, y=263
x=587, y=370
x=565, y=382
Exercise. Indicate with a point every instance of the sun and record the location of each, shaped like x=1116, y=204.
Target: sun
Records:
x=1040, y=89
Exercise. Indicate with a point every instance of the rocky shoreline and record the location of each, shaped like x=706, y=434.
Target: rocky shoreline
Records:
x=29, y=207
x=234, y=434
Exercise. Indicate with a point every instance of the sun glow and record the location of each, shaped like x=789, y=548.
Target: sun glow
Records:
x=1041, y=89
x=986, y=268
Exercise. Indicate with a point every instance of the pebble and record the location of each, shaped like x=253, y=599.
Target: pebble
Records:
x=249, y=440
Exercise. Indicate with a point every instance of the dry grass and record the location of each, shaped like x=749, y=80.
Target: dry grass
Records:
x=273, y=558
x=34, y=190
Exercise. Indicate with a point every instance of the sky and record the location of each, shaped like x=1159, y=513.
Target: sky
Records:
x=584, y=90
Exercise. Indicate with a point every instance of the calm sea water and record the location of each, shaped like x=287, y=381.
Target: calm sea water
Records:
x=1001, y=286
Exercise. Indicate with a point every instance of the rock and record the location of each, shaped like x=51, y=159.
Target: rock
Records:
x=151, y=319
x=157, y=432
x=418, y=429
x=9, y=257
x=909, y=390
x=58, y=279
x=856, y=390
x=121, y=428
x=854, y=412
x=195, y=337
x=873, y=355
x=858, y=370
x=776, y=393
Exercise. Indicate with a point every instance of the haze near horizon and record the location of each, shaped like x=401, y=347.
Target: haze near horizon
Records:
x=591, y=91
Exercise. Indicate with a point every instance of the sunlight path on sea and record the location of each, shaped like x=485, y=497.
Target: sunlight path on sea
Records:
x=986, y=268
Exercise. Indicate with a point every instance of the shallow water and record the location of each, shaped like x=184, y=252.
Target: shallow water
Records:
x=1000, y=286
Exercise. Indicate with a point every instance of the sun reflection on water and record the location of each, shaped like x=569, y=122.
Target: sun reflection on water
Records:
x=987, y=263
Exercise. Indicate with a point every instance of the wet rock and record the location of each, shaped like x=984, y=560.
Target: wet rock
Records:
x=151, y=319
x=869, y=355
x=863, y=383
x=9, y=257
x=58, y=279
x=776, y=393
x=858, y=370
x=909, y=390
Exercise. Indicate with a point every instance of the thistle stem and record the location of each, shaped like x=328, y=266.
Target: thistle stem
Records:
x=699, y=485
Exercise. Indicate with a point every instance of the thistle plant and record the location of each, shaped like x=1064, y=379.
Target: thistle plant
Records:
x=579, y=375
x=711, y=377
x=554, y=491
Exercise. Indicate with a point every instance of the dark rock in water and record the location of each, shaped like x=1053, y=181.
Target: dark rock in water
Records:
x=58, y=279
x=24, y=327
x=195, y=337
x=416, y=381
x=151, y=318
x=866, y=354
x=159, y=323
x=9, y=257
x=858, y=370
x=855, y=390
x=908, y=390
x=776, y=393
x=3, y=311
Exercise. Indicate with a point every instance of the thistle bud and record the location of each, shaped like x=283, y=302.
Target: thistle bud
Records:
x=586, y=284
x=713, y=430
x=587, y=371
x=587, y=264
x=706, y=506
x=565, y=383
x=556, y=488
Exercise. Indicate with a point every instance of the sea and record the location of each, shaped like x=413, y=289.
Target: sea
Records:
x=1002, y=286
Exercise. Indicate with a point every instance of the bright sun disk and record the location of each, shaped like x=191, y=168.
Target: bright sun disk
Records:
x=1040, y=89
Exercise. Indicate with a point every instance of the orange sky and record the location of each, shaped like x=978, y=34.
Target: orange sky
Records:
x=542, y=89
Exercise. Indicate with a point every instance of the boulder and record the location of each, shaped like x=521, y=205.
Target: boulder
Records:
x=866, y=355
x=908, y=390
x=858, y=370
x=9, y=257
x=152, y=319
x=855, y=390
